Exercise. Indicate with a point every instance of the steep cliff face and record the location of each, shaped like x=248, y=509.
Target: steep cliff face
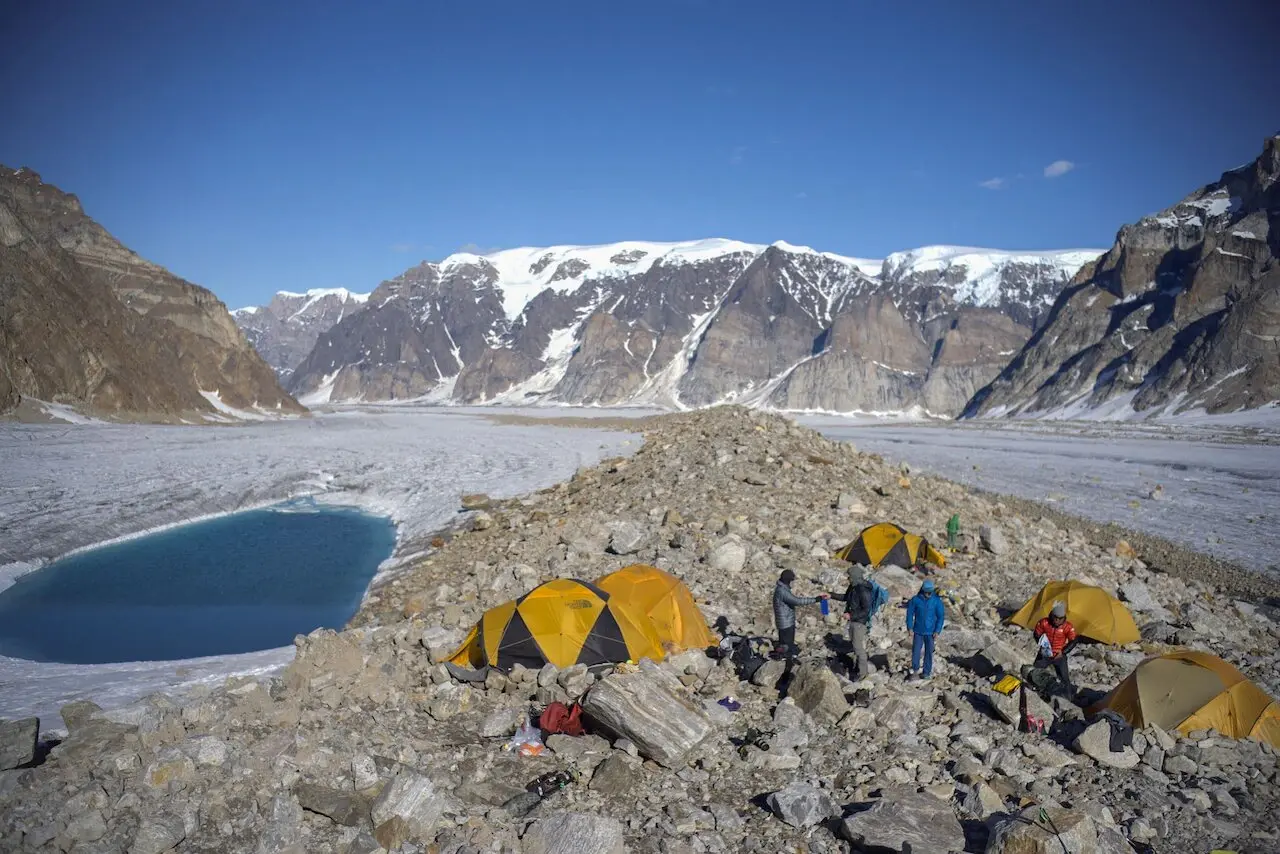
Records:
x=1181, y=313
x=285, y=330
x=689, y=324
x=87, y=322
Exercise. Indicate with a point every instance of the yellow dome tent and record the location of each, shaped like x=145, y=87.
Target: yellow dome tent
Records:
x=1188, y=690
x=666, y=601
x=886, y=543
x=1094, y=612
x=564, y=622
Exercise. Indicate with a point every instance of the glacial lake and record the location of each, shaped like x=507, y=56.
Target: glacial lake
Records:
x=238, y=583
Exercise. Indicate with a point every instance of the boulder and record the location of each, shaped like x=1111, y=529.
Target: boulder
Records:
x=282, y=833
x=415, y=800
x=76, y=714
x=626, y=538
x=1066, y=832
x=345, y=808
x=158, y=834
x=996, y=657
x=501, y=723
x=730, y=556
x=650, y=709
x=616, y=776
x=993, y=539
x=768, y=674
x=1095, y=742
x=903, y=816
x=982, y=801
x=1009, y=707
x=818, y=691
x=802, y=805
x=573, y=833
x=476, y=501
x=18, y=742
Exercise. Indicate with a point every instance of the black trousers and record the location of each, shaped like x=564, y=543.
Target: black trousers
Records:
x=787, y=640
x=1059, y=666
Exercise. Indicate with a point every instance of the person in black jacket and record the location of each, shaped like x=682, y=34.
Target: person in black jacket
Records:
x=858, y=598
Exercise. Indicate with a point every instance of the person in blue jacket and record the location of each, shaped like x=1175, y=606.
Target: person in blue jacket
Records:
x=925, y=618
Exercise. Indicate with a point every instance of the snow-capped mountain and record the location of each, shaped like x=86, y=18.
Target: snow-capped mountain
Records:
x=690, y=324
x=1182, y=313
x=284, y=330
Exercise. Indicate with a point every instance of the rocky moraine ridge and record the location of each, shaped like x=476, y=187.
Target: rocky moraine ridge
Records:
x=690, y=324
x=365, y=744
x=86, y=322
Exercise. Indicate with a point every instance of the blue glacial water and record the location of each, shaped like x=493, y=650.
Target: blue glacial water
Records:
x=232, y=584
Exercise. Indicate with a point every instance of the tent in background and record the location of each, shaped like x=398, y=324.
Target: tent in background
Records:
x=666, y=601
x=1094, y=612
x=562, y=622
x=1189, y=690
x=886, y=543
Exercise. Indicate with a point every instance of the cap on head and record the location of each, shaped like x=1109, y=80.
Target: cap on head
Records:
x=787, y=576
x=856, y=575
x=927, y=586
x=1059, y=609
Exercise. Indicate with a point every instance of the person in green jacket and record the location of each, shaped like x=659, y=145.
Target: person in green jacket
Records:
x=953, y=530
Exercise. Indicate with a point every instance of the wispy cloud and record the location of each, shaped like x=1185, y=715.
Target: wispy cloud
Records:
x=738, y=156
x=402, y=247
x=1058, y=168
x=477, y=249
x=994, y=183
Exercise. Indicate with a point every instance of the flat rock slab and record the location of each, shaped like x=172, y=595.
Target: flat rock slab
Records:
x=18, y=742
x=345, y=808
x=1066, y=832
x=904, y=816
x=649, y=709
x=414, y=799
x=573, y=833
x=802, y=805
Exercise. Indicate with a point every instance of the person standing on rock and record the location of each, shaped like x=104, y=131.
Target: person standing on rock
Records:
x=784, y=612
x=953, y=530
x=858, y=599
x=1061, y=635
x=925, y=618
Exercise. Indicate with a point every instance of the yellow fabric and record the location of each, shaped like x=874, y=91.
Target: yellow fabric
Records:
x=561, y=617
x=666, y=601
x=1188, y=690
x=1095, y=613
x=1007, y=685
x=880, y=540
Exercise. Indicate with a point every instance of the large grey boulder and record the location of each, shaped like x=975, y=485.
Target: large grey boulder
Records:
x=993, y=539
x=18, y=742
x=626, y=538
x=730, y=556
x=1065, y=832
x=651, y=709
x=818, y=691
x=345, y=808
x=903, y=816
x=802, y=805
x=76, y=714
x=415, y=800
x=1095, y=742
x=158, y=834
x=1009, y=707
x=573, y=833
x=283, y=831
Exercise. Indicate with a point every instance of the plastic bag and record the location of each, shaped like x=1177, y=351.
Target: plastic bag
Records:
x=527, y=741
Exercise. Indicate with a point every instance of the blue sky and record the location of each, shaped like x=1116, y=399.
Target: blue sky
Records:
x=253, y=147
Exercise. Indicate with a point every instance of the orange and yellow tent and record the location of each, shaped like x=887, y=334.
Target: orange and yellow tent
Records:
x=666, y=601
x=1094, y=612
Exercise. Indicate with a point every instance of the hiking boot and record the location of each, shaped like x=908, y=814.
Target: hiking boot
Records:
x=914, y=676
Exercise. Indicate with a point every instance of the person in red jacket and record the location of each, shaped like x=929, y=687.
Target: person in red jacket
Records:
x=1061, y=636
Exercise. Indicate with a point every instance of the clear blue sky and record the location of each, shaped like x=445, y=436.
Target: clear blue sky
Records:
x=252, y=147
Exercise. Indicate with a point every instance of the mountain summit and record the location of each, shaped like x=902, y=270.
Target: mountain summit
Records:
x=85, y=321
x=1182, y=313
x=689, y=324
x=284, y=330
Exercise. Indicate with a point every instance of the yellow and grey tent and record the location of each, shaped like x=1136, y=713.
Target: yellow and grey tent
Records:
x=1188, y=690
x=1094, y=612
x=885, y=543
x=665, y=600
x=563, y=622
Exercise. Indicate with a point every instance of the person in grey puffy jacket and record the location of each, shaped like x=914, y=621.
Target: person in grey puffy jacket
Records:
x=784, y=612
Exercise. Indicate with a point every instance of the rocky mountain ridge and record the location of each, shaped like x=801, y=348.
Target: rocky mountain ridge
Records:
x=1181, y=314
x=87, y=322
x=365, y=743
x=285, y=330
x=691, y=324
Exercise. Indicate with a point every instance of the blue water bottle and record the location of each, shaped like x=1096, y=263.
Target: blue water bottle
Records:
x=825, y=604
